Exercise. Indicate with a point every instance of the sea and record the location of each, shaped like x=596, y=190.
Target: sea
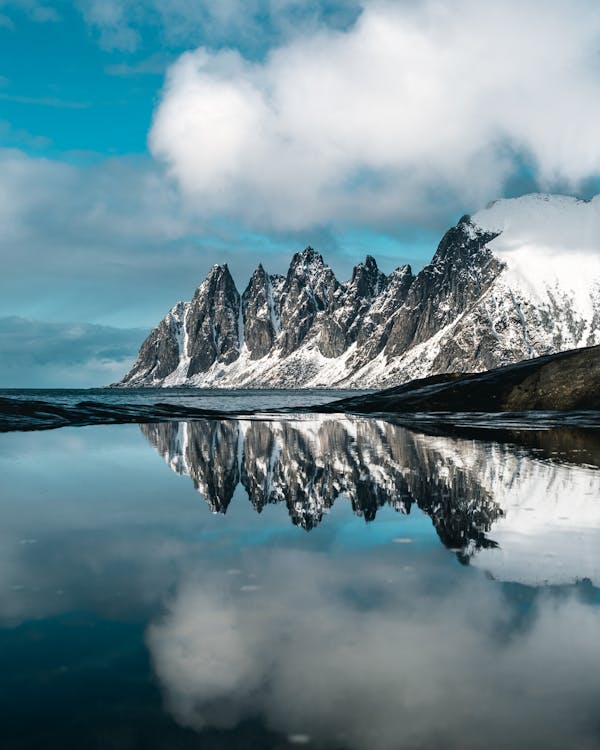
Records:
x=272, y=580
x=217, y=399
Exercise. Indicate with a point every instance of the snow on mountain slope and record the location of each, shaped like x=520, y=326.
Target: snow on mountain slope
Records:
x=551, y=248
x=519, y=279
x=545, y=298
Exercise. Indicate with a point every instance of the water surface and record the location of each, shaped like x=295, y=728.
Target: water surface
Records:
x=217, y=399
x=326, y=581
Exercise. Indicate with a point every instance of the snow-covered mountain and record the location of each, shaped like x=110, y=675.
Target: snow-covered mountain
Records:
x=518, y=279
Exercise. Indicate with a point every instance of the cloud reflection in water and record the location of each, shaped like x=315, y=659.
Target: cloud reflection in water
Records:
x=358, y=653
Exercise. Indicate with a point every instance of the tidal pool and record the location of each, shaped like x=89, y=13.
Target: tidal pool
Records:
x=323, y=581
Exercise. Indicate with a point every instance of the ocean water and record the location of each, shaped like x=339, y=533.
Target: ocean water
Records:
x=304, y=580
x=199, y=398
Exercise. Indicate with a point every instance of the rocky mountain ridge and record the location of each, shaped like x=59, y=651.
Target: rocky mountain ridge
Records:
x=498, y=290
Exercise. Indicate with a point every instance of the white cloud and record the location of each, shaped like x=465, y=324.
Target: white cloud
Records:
x=417, y=105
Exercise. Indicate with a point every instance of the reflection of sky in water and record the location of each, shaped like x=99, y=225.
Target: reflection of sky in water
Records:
x=117, y=586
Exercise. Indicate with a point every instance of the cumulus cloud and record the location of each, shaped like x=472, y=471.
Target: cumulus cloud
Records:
x=417, y=108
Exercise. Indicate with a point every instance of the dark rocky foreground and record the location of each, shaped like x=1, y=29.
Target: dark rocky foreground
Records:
x=557, y=382
x=16, y=414
x=553, y=390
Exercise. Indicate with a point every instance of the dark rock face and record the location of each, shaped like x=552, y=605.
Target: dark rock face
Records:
x=214, y=324
x=159, y=354
x=352, y=304
x=374, y=331
x=566, y=381
x=309, y=289
x=219, y=441
x=260, y=307
x=461, y=270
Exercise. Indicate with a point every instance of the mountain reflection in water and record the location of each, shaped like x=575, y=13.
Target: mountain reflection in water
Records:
x=528, y=513
x=131, y=617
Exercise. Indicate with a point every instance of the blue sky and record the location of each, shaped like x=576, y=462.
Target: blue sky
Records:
x=142, y=142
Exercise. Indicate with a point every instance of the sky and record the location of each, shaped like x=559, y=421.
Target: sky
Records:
x=142, y=142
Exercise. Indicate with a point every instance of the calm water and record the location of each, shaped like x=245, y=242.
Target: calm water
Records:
x=338, y=583
x=200, y=398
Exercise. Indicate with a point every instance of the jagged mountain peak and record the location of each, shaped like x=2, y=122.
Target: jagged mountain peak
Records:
x=261, y=305
x=219, y=269
x=369, y=265
x=307, y=261
x=258, y=274
x=400, y=272
x=309, y=253
x=518, y=279
x=462, y=243
x=367, y=280
x=218, y=278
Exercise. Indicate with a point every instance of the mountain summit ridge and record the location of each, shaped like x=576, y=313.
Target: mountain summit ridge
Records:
x=519, y=279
